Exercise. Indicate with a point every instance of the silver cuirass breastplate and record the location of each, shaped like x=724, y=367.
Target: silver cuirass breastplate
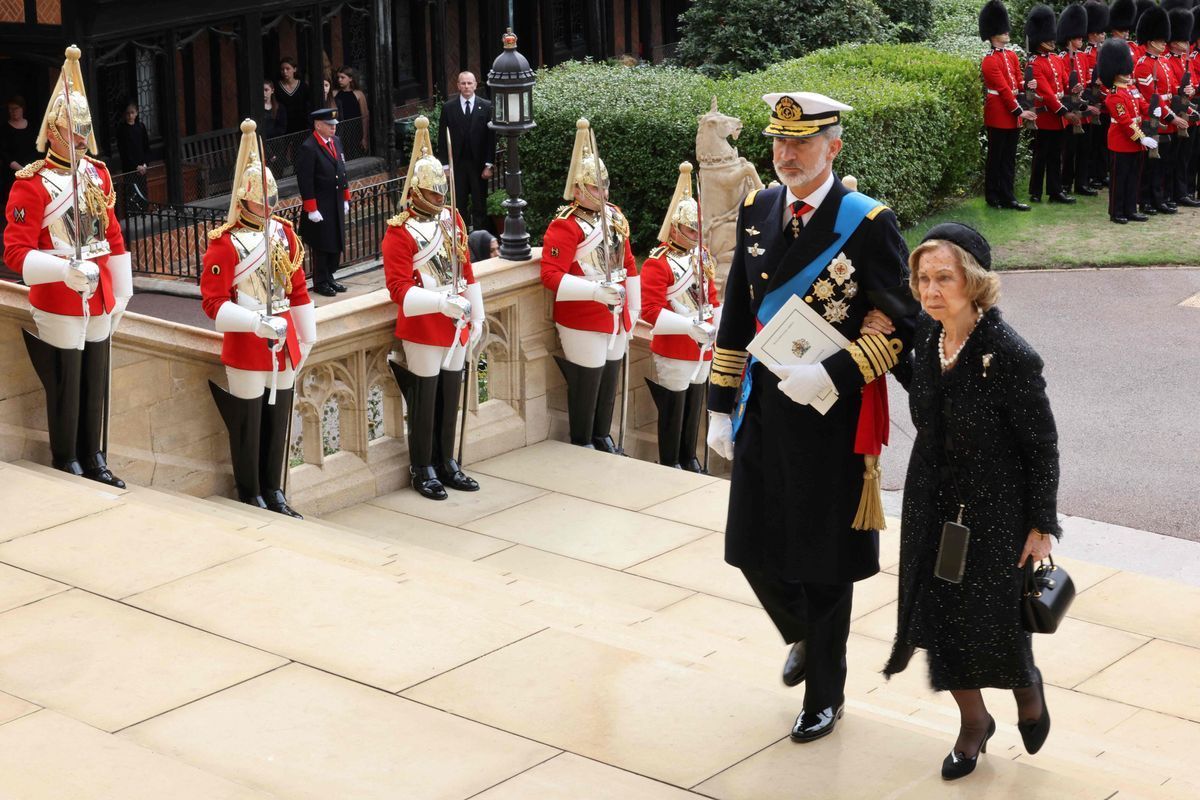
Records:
x=64, y=233
x=592, y=262
x=686, y=298
x=437, y=271
x=252, y=286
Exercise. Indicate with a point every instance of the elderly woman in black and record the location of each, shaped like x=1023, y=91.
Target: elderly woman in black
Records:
x=986, y=449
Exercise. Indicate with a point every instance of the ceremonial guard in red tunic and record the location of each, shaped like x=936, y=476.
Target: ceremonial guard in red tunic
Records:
x=595, y=303
x=1156, y=82
x=1127, y=142
x=427, y=269
x=1193, y=60
x=679, y=301
x=1097, y=132
x=1052, y=116
x=1072, y=28
x=1175, y=171
x=254, y=288
x=1002, y=112
x=64, y=240
x=1122, y=15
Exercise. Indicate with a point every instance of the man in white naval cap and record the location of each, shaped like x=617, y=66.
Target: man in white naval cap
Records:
x=804, y=507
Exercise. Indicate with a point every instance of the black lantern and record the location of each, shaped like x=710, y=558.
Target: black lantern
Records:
x=511, y=81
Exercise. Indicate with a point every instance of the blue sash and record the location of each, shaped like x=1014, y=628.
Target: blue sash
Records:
x=853, y=210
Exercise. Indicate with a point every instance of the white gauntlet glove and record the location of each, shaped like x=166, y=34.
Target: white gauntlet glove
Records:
x=1149, y=143
x=609, y=294
x=268, y=327
x=82, y=277
x=455, y=307
x=802, y=383
x=720, y=435
x=703, y=333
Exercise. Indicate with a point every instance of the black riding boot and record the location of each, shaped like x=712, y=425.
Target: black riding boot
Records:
x=583, y=384
x=420, y=395
x=444, y=428
x=693, y=412
x=606, y=398
x=273, y=452
x=59, y=371
x=243, y=417
x=670, y=422
x=93, y=413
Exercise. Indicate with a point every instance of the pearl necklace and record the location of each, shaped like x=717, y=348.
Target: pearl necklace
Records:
x=948, y=361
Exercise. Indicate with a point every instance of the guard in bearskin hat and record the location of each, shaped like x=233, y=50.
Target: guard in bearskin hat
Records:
x=1127, y=142
x=1178, y=60
x=253, y=286
x=1072, y=28
x=1097, y=132
x=679, y=301
x=1193, y=60
x=64, y=240
x=588, y=264
x=1122, y=17
x=427, y=269
x=1002, y=111
x=1053, y=117
x=1157, y=83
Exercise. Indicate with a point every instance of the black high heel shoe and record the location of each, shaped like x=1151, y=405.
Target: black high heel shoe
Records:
x=1034, y=734
x=958, y=765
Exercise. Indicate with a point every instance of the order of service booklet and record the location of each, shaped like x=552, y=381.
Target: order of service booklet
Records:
x=799, y=335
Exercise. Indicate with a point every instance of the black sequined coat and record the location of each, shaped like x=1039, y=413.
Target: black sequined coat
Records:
x=991, y=412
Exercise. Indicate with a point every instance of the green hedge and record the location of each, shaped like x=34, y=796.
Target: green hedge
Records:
x=912, y=140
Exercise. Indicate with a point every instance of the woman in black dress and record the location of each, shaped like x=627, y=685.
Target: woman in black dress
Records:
x=351, y=102
x=275, y=118
x=987, y=447
x=18, y=143
x=133, y=141
x=293, y=94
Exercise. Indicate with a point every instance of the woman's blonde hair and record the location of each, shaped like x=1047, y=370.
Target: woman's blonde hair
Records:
x=983, y=287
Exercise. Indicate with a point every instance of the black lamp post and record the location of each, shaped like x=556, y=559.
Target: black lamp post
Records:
x=511, y=81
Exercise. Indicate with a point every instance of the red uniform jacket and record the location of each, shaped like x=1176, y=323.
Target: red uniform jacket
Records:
x=1081, y=63
x=1126, y=111
x=1002, y=78
x=558, y=259
x=242, y=350
x=26, y=209
x=657, y=279
x=1153, y=76
x=399, y=248
x=1050, y=72
x=1180, y=65
x=1136, y=50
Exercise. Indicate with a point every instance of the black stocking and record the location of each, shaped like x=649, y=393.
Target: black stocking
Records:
x=974, y=721
x=1029, y=703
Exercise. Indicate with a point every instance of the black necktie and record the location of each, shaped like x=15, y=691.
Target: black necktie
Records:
x=799, y=209
x=468, y=111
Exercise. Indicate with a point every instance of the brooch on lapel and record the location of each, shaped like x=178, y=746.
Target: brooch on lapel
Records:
x=987, y=362
x=840, y=269
x=755, y=250
x=752, y=231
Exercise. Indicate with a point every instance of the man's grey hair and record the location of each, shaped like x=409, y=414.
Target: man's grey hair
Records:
x=832, y=132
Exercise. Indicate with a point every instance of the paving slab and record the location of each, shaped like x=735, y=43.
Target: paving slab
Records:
x=14, y=708
x=716, y=614
x=1161, y=676
x=1143, y=605
x=644, y=715
x=602, y=477
x=383, y=631
x=587, y=530
x=1079, y=649
x=18, y=587
x=46, y=756
x=460, y=507
x=700, y=566
x=706, y=507
x=126, y=549
x=110, y=665
x=33, y=503
x=1163, y=742
x=302, y=734
x=393, y=526
x=572, y=777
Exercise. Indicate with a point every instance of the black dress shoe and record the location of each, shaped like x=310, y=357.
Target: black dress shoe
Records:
x=606, y=444
x=996, y=204
x=1017, y=206
x=254, y=500
x=104, y=475
x=278, y=503
x=1035, y=198
x=1151, y=210
x=1120, y=220
x=794, y=666
x=1062, y=197
x=325, y=290
x=1086, y=192
x=1034, y=734
x=956, y=765
x=450, y=474
x=1187, y=202
x=425, y=481
x=338, y=287
x=1163, y=208
x=1138, y=218
x=810, y=727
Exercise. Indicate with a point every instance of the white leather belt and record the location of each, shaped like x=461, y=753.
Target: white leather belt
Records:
x=278, y=307
x=87, y=252
x=618, y=275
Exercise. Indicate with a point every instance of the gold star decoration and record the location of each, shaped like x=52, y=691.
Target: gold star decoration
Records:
x=836, y=311
x=823, y=289
x=850, y=290
x=840, y=269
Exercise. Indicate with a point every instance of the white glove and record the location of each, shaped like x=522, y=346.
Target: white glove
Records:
x=703, y=333
x=346, y=207
x=269, y=327
x=476, y=333
x=455, y=307
x=83, y=277
x=609, y=294
x=1149, y=143
x=1157, y=112
x=315, y=216
x=802, y=383
x=720, y=435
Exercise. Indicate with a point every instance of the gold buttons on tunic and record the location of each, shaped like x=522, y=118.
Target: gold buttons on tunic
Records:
x=808, y=298
x=216, y=270
x=765, y=276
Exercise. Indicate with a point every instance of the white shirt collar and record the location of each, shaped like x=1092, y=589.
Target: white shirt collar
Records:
x=814, y=200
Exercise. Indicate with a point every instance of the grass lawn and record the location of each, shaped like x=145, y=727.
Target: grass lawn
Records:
x=1078, y=235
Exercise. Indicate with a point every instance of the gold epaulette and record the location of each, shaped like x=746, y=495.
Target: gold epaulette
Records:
x=220, y=230
x=565, y=212
x=876, y=211
x=287, y=223
x=29, y=170
x=619, y=222
x=728, y=366
x=659, y=251
x=749, y=201
x=399, y=220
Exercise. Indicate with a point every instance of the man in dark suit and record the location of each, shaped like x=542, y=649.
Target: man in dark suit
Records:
x=325, y=190
x=466, y=117
x=801, y=524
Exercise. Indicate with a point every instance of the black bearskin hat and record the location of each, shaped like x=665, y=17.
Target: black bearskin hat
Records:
x=1072, y=24
x=1142, y=7
x=1097, y=14
x=1195, y=23
x=1153, y=26
x=1039, y=27
x=993, y=20
x=1181, y=24
x=1122, y=14
x=1114, y=59
x=1171, y=5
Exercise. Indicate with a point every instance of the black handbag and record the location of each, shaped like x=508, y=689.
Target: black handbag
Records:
x=1048, y=593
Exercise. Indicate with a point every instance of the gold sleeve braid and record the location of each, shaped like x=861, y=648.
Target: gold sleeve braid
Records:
x=875, y=355
x=728, y=367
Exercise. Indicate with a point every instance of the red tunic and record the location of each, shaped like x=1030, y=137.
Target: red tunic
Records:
x=27, y=204
x=1051, y=73
x=1153, y=76
x=1002, y=78
x=399, y=248
x=657, y=278
x=1126, y=112
x=1081, y=63
x=558, y=259
x=243, y=350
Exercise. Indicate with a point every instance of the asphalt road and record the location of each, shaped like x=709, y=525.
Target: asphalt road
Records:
x=1123, y=373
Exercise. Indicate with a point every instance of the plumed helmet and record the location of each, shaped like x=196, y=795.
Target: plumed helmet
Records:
x=586, y=168
x=683, y=208
x=1121, y=15
x=1153, y=26
x=1114, y=59
x=425, y=173
x=1181, y=24
x=68, y=107
x=1097, y=14
x=248, y=175
x=993, y=20
x=1039, y=26
x=1072, y=23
